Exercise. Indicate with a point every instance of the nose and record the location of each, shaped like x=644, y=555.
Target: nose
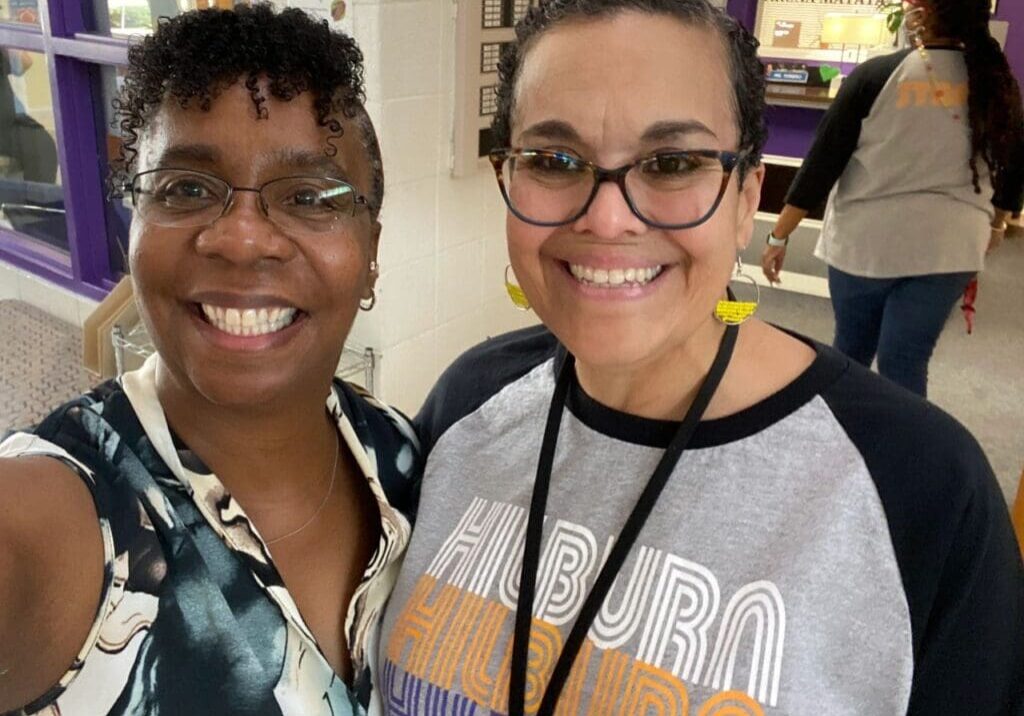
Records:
x=244, y=234
x=609, y=216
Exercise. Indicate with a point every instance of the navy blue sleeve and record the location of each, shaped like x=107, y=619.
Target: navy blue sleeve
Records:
x=839, y=132
x=1009, y=184
x=479, y=374
x=956, y=549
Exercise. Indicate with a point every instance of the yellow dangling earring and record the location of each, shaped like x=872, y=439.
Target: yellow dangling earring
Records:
x=732, y=312
x=519, y=299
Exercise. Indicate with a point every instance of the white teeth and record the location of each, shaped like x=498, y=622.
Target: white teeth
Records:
x=607, y=278
x=250, y=321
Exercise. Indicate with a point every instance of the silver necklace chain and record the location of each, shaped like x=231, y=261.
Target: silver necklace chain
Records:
x=323, y=502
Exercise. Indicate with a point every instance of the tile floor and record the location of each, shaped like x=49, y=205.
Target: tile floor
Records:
x=40, y=364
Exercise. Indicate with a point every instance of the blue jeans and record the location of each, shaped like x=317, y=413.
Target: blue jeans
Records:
x=899, y=319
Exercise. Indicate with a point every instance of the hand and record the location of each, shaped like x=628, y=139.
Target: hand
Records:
x=995, y=239
x=771, y=262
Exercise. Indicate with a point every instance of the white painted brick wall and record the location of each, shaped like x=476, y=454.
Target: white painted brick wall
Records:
x=442, y=246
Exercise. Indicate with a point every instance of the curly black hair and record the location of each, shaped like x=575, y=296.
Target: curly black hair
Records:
x=994, y=99
x=746, y=71
x=195, y=56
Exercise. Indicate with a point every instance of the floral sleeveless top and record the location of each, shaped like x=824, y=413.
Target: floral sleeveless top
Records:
x=194, y=617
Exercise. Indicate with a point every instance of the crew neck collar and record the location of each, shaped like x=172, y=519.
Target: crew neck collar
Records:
x=827, y=367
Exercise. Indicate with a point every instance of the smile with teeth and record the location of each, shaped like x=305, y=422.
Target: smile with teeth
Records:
x=615, y=278
x=249, y=321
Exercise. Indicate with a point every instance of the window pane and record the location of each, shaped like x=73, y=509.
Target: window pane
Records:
x=124, y=18
x=23, y=11
x=31, y=195
x=107, y=82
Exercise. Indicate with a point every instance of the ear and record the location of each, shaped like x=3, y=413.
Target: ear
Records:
x=746, y=207
x=374, y=273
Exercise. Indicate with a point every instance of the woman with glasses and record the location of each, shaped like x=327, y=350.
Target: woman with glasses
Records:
x=921, y=160
x=641, y=506
x=216, y=533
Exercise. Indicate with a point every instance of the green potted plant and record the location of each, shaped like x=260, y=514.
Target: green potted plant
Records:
x=893, y=14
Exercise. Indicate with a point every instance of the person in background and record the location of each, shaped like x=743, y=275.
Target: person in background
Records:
x=28, y=151
x=919, y=153
x=639, y=506
x=217, y=532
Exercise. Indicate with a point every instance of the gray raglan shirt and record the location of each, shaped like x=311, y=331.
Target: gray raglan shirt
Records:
x=892, y=156
x=839, y=549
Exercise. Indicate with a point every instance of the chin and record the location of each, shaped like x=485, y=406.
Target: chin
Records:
x=611, y=347
x=249, y=389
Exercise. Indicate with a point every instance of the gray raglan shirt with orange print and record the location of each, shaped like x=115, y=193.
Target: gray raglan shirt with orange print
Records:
x=892, y=155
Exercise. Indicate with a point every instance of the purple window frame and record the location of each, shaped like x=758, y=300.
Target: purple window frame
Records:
x=71, y=56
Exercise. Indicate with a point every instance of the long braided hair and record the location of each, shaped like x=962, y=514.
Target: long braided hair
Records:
x=994, y=99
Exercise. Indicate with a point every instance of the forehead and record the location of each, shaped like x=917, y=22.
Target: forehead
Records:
x=232, y=139
x=614, y=77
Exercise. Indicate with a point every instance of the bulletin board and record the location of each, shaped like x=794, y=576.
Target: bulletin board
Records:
x=334, y=11
x=791, y=29
x=483, y=27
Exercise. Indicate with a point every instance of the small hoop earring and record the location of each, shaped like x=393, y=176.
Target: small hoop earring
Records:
x=732, y=312
x=515, y=293
x=374, y=267
x=367, y=304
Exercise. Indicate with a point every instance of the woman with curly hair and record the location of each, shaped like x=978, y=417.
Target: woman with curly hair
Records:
x=216, y=532
x=921, y=157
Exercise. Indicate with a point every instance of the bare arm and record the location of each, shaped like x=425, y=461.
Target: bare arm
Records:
x=773, y=256
x=788, y=221
x=51, y=575
x=999, y=223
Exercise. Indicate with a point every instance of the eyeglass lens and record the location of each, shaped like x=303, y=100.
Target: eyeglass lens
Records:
x=181, y=198
x=672, y=189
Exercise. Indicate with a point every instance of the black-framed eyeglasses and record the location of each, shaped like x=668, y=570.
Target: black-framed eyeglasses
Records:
x=667, y=190
x=186, y=198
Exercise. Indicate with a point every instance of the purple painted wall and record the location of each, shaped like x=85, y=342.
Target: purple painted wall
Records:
x=1013, y=12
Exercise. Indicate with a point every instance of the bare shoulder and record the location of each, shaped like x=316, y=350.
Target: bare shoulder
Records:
x=51, y=574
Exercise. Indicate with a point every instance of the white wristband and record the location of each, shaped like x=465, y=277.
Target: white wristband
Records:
x=773, y=241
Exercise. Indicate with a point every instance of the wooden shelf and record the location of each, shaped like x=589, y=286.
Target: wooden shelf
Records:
x=798, y=96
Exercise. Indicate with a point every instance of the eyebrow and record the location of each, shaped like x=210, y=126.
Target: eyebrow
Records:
x=662, y=131
x=554, y=130
x=558, y=130
x=307, y=161
x=195, y=153
x=300, y=160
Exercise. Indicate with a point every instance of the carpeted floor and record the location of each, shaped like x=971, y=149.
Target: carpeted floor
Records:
x=40, y=364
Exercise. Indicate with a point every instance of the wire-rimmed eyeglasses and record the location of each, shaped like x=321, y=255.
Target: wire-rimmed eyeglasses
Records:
x=667, y=190
x=186, y=198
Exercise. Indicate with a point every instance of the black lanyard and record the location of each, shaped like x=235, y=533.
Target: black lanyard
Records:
x=623, y=545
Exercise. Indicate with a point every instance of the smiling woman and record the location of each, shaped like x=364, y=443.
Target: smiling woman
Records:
x=230, y=517
x=637, y=508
